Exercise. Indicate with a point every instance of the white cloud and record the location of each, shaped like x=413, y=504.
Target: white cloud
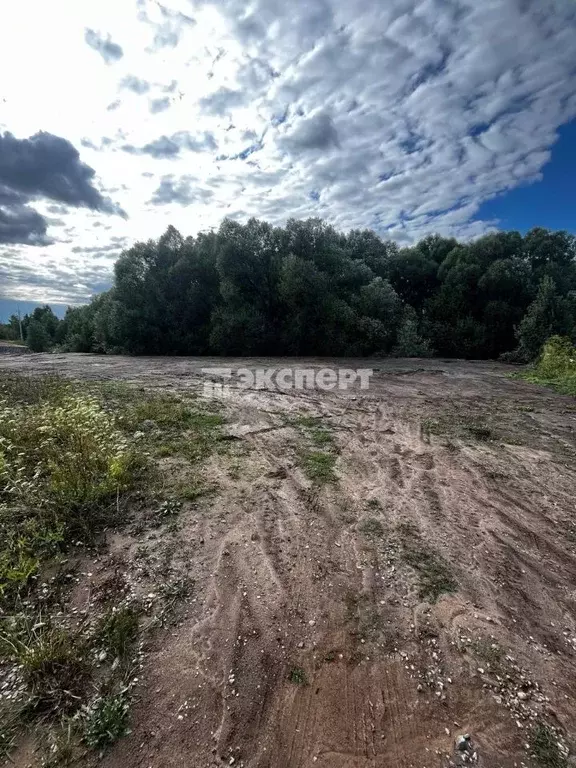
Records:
x=403, y=116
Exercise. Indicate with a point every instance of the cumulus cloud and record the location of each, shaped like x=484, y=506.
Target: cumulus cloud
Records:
x=223, y=101
x=168, y=148
x=135, y=84
x=109, y=50
x=182, y=191
x=159, y=105
x=42, y=167
x=313, y=133
x=168, y=24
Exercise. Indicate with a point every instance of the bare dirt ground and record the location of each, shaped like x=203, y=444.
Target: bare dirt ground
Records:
x=426, y=592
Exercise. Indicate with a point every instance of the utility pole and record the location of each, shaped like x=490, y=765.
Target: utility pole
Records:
x=20, y=324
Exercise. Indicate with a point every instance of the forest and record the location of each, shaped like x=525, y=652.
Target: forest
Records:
x=307, y=289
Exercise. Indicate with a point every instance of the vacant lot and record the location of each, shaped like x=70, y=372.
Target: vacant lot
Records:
x=370, y=575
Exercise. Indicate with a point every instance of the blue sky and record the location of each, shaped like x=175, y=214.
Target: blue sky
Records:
x=549, y=203
x=407, y=116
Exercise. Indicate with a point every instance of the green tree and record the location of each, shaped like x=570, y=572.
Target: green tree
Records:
x=37, y=337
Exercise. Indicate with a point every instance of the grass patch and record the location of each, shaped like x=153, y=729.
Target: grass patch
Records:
x=106, y=720
x=52, y=662
x=319, y=466
x=118, y=632
x=434, y=574
x=64, y=464
x=372, y=528
x=297, y=676
x=546, y=749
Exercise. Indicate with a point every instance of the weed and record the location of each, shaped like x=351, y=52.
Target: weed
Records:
x=319, y=466
x=479, y=431
x=374, y=504
x=545, y=747
x=106, y=720
x=9, y=725
x=372, y=528
x=195, y=491
x=433, y=572
x=118, y=631
x=490, y=652
x=52, y=662
x=61, y=747
x=298, y=676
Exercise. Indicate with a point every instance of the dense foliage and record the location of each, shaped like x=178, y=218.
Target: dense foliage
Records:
x=306, y=289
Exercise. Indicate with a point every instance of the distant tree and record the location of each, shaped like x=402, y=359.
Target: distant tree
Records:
x=548, y=315
x=37, y=338
x=409, y=342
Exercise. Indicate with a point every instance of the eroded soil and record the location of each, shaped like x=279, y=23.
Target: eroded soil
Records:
x=427, y=591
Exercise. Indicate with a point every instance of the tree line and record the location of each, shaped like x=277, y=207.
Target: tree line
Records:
x=307, y=289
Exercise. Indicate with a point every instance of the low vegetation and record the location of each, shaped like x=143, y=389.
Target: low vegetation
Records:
x=556, y=366
x=72, y=462
x=434, y=574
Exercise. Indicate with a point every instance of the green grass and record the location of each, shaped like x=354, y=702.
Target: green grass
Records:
x=434, y=575
x=319, y=466
x=106, y=720
x=118, y=632
x=53, y=662
x=297, y=676
x=545, y=748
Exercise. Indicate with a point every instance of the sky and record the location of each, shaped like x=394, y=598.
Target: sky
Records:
x=120, y=117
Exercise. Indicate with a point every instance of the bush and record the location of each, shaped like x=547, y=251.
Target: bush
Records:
x=556, y=366
x=558, y=358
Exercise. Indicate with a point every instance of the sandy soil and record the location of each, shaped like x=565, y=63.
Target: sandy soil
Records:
x=307, y=639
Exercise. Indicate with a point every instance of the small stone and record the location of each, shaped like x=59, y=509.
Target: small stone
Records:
x=463, y=742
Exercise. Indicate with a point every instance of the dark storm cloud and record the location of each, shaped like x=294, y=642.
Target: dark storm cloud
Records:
x=166, y=148
x=159, y=105
x=109, y=50
x=42, y=167
x=182, y=191
x=222, y=101
x=135, y=84
x=21, y=224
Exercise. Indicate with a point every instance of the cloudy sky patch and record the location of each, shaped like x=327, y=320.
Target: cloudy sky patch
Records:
x=402, y=116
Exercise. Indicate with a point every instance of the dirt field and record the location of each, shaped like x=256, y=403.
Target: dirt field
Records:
x=421, y=587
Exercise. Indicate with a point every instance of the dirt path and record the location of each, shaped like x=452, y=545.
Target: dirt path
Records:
x=429, y=591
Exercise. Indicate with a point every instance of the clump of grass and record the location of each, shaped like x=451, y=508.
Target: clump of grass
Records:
x=194, y=491
x=372, y=528
x=9, y=726
x=118, y=631
x=434, y=574
x=374, y=504
x=319, y=466
x=490, y=652
x=479, y=431
x=298, y=676
x=52, y=661
x=106, y=720
x=546, y=748
x=62, y=746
